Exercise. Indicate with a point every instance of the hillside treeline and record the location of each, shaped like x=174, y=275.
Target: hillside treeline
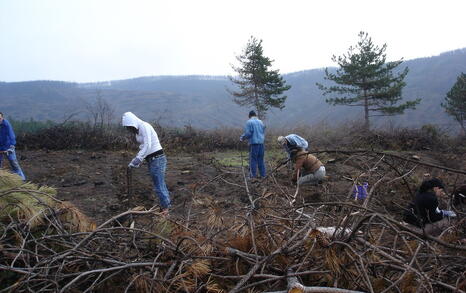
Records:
x=203, y=102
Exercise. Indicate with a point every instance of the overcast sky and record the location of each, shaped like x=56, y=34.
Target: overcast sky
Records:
x=97, y=40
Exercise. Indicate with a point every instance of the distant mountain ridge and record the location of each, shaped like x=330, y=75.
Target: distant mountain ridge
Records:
x=203, y=102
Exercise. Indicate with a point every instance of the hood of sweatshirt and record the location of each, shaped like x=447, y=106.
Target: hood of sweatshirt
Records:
x=129, y=119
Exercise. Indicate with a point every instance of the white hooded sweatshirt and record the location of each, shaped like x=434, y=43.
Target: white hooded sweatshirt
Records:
x=146, y=136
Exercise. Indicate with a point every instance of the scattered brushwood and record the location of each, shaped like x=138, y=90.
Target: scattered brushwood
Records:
x=273, y=239
x=353, y=135
x=192, y=140
x=427, y=137
x=81, y=135
x=76, y=135
x=29, y=213
x=84, y=136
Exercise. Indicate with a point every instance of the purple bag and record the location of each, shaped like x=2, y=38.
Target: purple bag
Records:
x=360, y=191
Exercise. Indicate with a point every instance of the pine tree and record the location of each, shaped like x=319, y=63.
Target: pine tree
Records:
x=455, y=101
x=259, y=86
x=366, y=80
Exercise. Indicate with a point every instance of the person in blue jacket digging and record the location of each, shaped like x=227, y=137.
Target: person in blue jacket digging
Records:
x=293, y=142
x=254, y=133
x=7, y=146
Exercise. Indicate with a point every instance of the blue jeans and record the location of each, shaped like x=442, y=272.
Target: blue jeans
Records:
x=11, y=156
x=157, y=168
x=256, y=159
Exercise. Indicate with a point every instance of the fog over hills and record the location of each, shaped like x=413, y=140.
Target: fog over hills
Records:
x=203, y=101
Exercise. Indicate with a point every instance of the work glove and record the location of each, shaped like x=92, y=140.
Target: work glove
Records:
x=450, y=214
x=10, y=150
x=241, y=138
x=135, y=163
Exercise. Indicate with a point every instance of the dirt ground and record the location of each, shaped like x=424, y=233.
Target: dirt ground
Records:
x=97, y=182
x=211, y=210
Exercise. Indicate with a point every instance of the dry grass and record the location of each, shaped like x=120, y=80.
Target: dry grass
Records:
x=26, y=203
x=29, y=204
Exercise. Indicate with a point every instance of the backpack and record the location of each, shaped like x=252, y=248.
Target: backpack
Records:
x=360, y=191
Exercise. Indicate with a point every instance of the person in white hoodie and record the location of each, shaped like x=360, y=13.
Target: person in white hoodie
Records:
x=150, y=150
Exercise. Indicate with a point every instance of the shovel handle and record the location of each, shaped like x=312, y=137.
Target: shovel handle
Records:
x=129, y=182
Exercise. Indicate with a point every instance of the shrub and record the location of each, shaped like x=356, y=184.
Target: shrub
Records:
x=30, y=126
x=75, y=135
x=80, y=135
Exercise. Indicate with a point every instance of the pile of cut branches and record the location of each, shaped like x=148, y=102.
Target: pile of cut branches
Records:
x=274, y=242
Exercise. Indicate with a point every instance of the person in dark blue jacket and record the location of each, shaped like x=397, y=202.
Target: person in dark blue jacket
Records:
x=424, y=211
x=254, y=132
x=7, y=146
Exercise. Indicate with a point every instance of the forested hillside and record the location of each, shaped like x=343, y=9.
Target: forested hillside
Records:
x=203, y=101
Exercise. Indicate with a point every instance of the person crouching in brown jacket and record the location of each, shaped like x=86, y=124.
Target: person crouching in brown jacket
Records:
x=307, y=167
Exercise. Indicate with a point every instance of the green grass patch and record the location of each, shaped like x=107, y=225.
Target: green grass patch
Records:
x=238, y=159
x=232, y=158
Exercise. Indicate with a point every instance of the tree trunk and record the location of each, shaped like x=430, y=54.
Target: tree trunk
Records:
x=366, y=112
x=257, y=103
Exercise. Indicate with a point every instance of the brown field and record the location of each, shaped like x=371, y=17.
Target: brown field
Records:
x=96, y=182
x=212, y=210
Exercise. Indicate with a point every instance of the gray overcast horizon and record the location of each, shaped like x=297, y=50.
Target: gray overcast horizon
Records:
x=100, y=40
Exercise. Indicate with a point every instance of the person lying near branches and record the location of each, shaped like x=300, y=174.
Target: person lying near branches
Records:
x=424, y=211
x=307, y=168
